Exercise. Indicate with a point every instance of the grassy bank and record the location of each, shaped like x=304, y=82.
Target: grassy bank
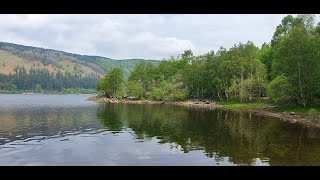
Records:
x=234, y=105
x=303, y=111
x=299, y=110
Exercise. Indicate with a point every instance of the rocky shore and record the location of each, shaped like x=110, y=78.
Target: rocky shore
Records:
x=201, y=104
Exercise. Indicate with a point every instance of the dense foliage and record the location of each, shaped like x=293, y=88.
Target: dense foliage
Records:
x=287, y=70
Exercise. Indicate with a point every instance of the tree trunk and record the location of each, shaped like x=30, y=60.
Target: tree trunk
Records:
x=250, y=95
x=241, y=87
x=259, y=84
x=300, y=87
x=219, y=96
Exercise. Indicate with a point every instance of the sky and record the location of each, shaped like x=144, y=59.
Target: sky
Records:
x=126, y=36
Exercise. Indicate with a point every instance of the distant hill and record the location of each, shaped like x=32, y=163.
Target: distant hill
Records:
x=19, y=60
x=12, y=55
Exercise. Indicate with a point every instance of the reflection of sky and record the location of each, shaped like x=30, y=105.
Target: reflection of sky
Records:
x=102, y=149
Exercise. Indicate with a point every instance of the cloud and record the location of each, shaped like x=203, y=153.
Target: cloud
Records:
x=139, y=35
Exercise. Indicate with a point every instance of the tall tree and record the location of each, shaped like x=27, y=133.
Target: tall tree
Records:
x=111, y=84
x=295, y=57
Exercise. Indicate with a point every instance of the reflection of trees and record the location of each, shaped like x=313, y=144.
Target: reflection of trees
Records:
x=110, y=116
x=44, y=122
x=240, y=136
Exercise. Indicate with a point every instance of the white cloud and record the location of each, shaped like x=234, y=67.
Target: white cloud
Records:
x=137, y=36
x=148, y=45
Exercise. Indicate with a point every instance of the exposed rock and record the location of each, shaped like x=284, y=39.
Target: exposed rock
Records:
x=196, y=102
x=292, y=113
x=131, y=97
x=294, y=121
x=207, y=102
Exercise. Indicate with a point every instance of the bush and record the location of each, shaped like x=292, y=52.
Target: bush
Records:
x=280, y=90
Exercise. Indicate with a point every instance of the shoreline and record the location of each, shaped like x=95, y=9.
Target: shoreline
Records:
x=200, y=104
x=311, y=120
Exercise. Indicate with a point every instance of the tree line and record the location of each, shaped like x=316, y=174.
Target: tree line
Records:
x=41, y=79
x=286, y=70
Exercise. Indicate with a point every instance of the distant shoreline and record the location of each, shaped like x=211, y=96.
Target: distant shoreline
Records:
x=49, y=93
x=46, y=94
x=261, y=111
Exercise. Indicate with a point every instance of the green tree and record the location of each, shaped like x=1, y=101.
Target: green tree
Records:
x=111, y=85
x=283, y=29
x=265, y=55
x=177, y=90
x=295, y=57
x=158, y=90
x=187, y=54
x=38, y=88
x=135, y=88
x=280, y=90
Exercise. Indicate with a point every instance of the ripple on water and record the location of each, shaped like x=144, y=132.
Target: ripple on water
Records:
x=56, y=130
x=34, y=134
x=7, y=147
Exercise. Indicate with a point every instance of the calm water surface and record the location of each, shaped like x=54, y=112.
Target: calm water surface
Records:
x=68, y=130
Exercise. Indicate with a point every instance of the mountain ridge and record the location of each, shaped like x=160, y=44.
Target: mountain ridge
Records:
x=26, y=68
x=46, y=56
x=86, y=55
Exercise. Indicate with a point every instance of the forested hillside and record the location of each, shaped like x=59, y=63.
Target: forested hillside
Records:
x=107, y=64
x=25, y=68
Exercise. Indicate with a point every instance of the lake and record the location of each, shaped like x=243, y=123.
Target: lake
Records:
x=69, y=130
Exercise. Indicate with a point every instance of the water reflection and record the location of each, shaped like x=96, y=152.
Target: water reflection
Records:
x=48, y=132
x=242, y=137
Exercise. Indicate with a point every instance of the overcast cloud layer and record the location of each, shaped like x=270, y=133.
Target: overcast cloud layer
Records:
x=137, y=36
